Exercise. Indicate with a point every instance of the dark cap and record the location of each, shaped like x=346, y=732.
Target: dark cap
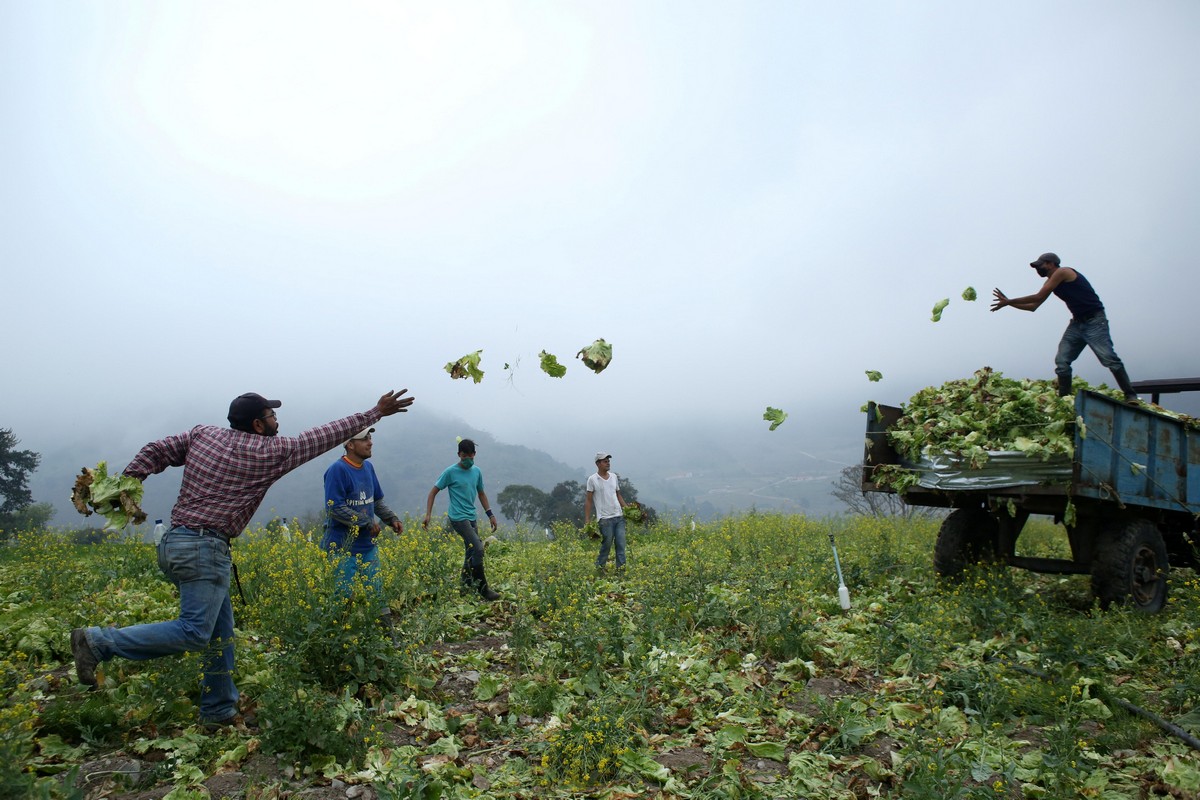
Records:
x=1045, y=258
x=248, y=407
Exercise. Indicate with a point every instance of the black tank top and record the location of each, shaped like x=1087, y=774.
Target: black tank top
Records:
x=1079, y=296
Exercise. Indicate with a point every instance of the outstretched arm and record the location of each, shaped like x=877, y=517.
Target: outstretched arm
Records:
x=1031, y=302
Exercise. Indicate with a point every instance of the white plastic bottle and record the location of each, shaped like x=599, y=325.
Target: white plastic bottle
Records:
x=158, y=531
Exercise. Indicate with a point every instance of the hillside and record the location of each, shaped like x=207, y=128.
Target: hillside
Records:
x=703, y=474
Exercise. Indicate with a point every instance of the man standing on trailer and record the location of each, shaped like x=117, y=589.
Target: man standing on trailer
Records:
x=1088, y=326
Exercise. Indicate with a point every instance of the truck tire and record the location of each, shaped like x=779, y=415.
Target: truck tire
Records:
x=967, y=536
x=1131, y=566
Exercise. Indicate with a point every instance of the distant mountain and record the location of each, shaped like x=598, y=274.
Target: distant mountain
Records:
x=680, y=472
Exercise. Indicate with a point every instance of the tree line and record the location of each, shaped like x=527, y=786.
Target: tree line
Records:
x=18, y=512
x=564, y=503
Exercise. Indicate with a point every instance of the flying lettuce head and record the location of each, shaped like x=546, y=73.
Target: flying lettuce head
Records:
x=596, y=356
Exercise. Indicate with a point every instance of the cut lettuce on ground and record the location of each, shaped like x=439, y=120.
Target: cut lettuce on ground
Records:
x=596, y=356
x=466, y=367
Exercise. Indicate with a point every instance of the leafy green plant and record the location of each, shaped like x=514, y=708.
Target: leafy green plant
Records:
x=774, y=416
x=466, y=367
x=550, y=366
x=303, y=721
x=588, y=748
x=596, y=356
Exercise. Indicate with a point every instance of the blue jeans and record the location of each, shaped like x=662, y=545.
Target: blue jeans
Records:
x=612, y=530
x=350, y=564
x=1091, y=332
x=199, y=565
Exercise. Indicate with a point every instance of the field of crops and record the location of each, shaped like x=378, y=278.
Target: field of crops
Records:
x=720, y=665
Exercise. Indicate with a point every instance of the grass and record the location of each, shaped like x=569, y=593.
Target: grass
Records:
x=720, y=665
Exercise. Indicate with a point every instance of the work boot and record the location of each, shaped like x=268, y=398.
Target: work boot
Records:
x=1064, y=385
x=248, y=722
x=481, y=583
x=85, y=659
x=1126, y=385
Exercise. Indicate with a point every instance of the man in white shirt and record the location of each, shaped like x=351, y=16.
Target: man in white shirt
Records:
x=604, y=495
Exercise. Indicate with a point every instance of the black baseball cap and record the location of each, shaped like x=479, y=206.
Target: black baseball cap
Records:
x=248, y=407
x=1046, y=258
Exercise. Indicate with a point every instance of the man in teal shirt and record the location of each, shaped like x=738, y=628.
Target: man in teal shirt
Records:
x=465, y=482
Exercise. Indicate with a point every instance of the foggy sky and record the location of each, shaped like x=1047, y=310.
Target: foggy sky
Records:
x=753, y=202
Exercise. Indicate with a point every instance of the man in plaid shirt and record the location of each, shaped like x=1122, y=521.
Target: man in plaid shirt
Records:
x=226, y=474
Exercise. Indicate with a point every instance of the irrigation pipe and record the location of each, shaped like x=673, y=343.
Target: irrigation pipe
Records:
x=1162, y=724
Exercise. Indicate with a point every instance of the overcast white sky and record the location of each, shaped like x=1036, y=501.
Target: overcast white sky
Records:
x=754, y=202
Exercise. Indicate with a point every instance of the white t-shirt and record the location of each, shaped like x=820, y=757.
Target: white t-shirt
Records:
x=604, y=495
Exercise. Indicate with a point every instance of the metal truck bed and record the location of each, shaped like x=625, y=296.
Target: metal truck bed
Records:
x=1131, y=496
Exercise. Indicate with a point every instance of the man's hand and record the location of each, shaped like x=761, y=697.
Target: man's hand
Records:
x=397, y=525
x=425, y=523
x=1001, y=300
x=494, y=523
x=393, y=403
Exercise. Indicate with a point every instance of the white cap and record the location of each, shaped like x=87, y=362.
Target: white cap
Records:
x=603, y=455
x=362, y=434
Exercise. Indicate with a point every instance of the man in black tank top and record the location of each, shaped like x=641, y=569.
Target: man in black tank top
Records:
x=1088, y=326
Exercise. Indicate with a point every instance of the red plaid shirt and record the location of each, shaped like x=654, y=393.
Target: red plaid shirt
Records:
x=226, y=473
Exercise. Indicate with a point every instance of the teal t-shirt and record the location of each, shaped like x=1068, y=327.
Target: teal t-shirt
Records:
x=465, y=486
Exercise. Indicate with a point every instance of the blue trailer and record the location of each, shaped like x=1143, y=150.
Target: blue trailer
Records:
x=1128, y=496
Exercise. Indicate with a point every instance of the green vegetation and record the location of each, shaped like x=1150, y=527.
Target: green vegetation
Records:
x=774, y=416
x=564, y=504
x=969, y=417
x=17, y=509
x=596, y=356
x=719, y=665
x=549, y=364
x=466, y=367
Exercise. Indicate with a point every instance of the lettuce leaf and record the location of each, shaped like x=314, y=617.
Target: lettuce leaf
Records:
x=596, y=356
x=550, y=365
x=466, y=367
x=774, y=416
x=117, y=498
x=939, y=307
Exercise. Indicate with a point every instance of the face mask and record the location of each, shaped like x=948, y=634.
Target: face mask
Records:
x=467, y=463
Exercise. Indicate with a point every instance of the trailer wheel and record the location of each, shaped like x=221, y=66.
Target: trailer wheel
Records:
x=967, y=536
x=1131, y=566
